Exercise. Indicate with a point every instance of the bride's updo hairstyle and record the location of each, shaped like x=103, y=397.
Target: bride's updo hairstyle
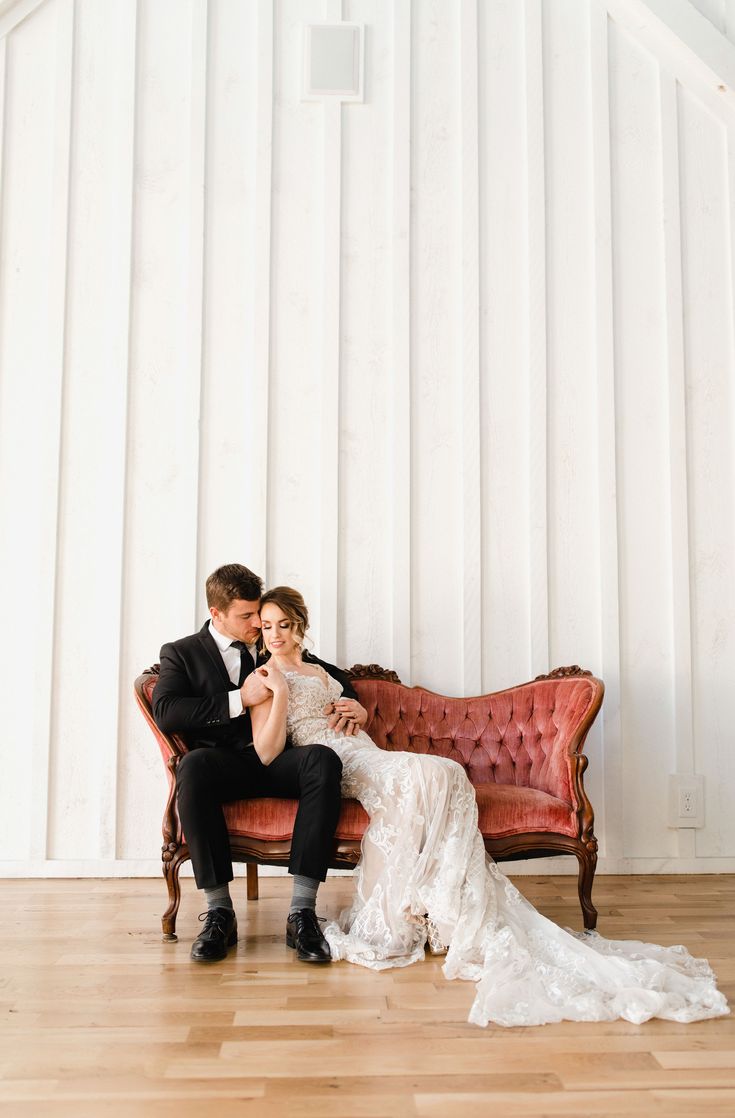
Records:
x=291, y=603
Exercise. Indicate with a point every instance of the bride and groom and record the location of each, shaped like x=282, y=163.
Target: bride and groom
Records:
x=262, y=717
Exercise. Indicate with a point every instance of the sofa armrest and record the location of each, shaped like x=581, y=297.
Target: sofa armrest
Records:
x=546, y=732
x=172, y=749
x=170, y=745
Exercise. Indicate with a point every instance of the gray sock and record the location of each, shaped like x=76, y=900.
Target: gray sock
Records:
x=304, y=892
x=219, y=897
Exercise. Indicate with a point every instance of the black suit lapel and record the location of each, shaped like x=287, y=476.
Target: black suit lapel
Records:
x=210, y=646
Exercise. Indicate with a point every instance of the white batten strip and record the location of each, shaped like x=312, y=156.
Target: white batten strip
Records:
x=681, y=605
x=730, y=196
x=329, y=528
x=261, y=303
x=91, y=483
x=330, y=354
x=609, y=814
x=3, y=68
x=54, y=403
x=400, y=303
x=192, y=331
x=124, y=130
x=536, y=357
x=469, y=355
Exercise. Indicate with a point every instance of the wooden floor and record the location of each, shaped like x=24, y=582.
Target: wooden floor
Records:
x=99, y=1017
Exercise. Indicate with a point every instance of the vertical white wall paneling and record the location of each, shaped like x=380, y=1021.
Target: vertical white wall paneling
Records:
x=537, y=342
x=92, y=484
x=295, y=386
x=365, y=573
x=330, y=364
x=33, y=287
x=573, y=564
x=14, y=828
x=468, y=355
x=456, y=361
x=192, y=357
x=643, y=446
x=683, y=761
x=504, y=334
x=604, y=778
x=436, y=468
x=399, y=293
x=56, y=356
x=330, y=361
x=710, y=367
x=258, y=497
x=234, y=435
x=164, y=398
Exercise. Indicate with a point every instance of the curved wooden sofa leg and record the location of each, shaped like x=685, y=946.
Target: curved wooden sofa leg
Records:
x=172, y=859
x=587, y=858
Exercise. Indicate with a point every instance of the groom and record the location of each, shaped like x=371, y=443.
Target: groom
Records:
x=206, y=684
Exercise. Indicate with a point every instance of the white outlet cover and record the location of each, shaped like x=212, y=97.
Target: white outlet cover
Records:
x=681, y=786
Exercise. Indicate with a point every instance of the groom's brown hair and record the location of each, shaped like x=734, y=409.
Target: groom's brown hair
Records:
x=230, y=583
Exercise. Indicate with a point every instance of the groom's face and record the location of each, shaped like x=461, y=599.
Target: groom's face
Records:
x=240, y=621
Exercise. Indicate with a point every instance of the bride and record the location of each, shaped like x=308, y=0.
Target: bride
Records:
x=424, y=873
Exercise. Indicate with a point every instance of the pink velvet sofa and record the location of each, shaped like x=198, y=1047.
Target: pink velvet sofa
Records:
x=521, y=748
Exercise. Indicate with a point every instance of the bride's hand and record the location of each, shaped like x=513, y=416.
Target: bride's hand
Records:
x=342, y=718
x=273, y=678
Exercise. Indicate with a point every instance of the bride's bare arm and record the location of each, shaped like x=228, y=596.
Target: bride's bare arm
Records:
x=269, y=717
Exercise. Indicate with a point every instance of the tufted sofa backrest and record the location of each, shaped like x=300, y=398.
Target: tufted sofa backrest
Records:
x=523, y=736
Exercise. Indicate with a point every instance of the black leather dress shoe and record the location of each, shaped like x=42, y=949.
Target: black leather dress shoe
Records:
x=218, y=934
x=303, y=933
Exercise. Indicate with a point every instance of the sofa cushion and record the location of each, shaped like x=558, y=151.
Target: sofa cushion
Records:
x=503, y=810
x=272, y=820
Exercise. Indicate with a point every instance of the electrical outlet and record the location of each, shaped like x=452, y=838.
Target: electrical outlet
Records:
x=686, y=801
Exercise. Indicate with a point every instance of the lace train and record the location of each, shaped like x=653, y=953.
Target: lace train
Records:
x=423, y=856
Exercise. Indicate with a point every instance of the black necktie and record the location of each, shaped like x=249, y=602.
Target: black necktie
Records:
x=246, y=660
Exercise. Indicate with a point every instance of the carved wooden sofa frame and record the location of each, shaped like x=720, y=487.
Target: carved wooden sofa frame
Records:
x=547, y=767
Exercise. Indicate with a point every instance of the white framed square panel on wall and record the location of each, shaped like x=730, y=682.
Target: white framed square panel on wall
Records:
x=333, y=56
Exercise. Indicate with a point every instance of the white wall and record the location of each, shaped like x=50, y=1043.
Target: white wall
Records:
x=457, y=362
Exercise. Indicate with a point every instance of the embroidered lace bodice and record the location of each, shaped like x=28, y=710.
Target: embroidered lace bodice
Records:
x=423, y=855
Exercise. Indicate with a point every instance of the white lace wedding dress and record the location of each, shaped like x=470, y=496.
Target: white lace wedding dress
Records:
x=423, y=854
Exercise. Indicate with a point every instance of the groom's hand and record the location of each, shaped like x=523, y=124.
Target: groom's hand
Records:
x=253, y=690
x=346, y=716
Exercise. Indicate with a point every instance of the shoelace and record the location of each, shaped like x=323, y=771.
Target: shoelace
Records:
x=308, y=919
x=213, y=920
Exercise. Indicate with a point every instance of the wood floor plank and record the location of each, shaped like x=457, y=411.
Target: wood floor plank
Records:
x=99, y=1017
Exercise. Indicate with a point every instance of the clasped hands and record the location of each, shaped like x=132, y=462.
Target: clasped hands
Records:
x=260, y=684
x=346, y=716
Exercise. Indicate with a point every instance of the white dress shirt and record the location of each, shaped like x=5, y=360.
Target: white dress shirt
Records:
x=231, y=659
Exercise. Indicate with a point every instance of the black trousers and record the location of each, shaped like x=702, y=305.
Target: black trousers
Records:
x=207, y=778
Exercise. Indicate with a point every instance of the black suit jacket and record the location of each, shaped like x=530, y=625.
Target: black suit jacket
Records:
x=191, y=697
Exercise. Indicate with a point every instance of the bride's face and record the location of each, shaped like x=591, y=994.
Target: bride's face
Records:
x=279, y=633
